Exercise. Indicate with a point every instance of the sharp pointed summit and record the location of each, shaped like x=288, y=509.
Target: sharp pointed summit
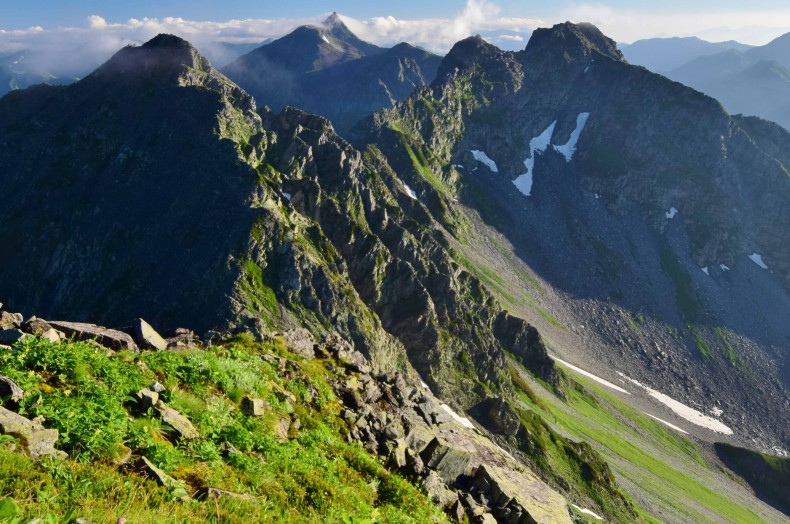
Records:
x=332, y=72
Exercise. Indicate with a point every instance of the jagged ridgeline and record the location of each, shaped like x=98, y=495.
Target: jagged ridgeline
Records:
x=629, y=195
x=153, y=186
x=327, y=70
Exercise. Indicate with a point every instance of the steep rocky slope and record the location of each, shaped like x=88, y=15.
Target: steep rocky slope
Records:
x=328, y=71
x=742, y=83
x=231, y=218
x=661, y=194
x=155, y=187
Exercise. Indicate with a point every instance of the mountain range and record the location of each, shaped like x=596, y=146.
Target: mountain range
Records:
x=329, y=71
x=665, y=54
x=552, y=240
x=746, y=79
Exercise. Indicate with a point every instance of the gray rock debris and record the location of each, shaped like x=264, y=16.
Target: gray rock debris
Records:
x=36, y=440
x=462, y=470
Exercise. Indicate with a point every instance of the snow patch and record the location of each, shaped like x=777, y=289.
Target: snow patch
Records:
x=671, y=213
x=758, y=259
x=705, y=270
x=587, y=512
x=422, y=383
x=325, y=39
x=590, y=375
x=597, y=196
x=410, y=191
x=716, y=411
x=480, y=156
x=667, y=424
x=723, y=267
x=458, y=166
x=465, y=422
x=569, y=148
x=682, y=410
x=538, y=144
x=586, y=69
x=287, y=195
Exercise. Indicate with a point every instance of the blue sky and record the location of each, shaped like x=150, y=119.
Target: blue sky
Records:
x=102, y=26
x=49, y=13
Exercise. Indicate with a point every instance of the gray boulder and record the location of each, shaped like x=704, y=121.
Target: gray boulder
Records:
x=254, y=407
x=36, y=440
x=448, y=462
x=9, y=389
x=177, y=421
x=146, y=337
x=109, y=338
x=10, y=320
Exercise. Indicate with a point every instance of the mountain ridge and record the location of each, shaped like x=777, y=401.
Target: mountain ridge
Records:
x=329, y=71
x=298, y=227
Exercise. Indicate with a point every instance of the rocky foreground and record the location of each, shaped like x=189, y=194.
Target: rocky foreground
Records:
x=404, y=426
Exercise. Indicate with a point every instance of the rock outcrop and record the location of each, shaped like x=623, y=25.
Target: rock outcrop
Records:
x=34, y=439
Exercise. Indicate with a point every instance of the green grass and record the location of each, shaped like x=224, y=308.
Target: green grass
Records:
x=687, y=302
x=699, y=341
x=310, y=475
x=726, y=347
x=643, y=451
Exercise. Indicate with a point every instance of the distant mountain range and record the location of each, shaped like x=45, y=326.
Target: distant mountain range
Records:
x=745, y=79
x=755, y=81
x=329, y=71
x=665, y=54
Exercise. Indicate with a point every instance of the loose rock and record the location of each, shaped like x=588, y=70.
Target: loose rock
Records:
x=35, y=439
x=146, y=337
x=109, y=338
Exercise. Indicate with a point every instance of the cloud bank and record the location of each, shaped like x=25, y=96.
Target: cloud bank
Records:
x=73, y=51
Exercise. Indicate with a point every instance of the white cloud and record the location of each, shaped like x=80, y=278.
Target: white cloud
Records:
x=73, y=50
x=751, y=26
x=439, y=34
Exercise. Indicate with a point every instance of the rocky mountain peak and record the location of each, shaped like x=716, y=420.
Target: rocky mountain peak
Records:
x=573, y=41
x=474, y=52
x=333, y=21
x=164, y=57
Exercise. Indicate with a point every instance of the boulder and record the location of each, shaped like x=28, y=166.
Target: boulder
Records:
x=41, y=328
x=36, y=440
x=179, y=337
x=500, y=417
x=346, y=355
x=254, y=407
x=448, y=462
x=145, y=336
x=438, y=492
x=299, y=341
x=109, y=338
x=177, y=488
x=10, y=320
x=146, y=398
x=9, y=390
x=177, y=421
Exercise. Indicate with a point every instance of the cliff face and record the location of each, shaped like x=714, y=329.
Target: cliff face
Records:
x=628, y=195
x=154, y=186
